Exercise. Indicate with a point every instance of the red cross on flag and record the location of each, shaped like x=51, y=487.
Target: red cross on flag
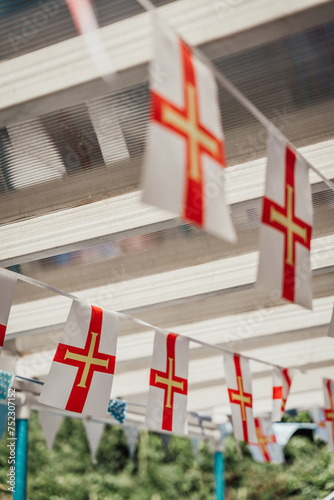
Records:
x=285, y=235
x=239, y=386
x=7, y=289
x=266, y=449
x=329, y=410
x=81, y=375
x=282, y=379
x=185, y=158
x=167, y=398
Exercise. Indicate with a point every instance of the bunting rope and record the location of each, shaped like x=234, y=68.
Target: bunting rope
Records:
x=40, y=382
x=148, y=6
x=94, y=419
x=138, y=321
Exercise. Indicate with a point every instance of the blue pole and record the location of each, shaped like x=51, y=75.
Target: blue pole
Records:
x=219, y=476
x=21, y=459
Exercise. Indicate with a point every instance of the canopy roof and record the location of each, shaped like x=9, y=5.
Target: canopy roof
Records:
x=71, y=157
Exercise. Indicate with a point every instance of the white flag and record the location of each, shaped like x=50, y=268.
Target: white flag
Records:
x=83, y=16
x=94, y=432
x=183, y=167
x=131, y=436
x=239, y=386
x=282, y=380
x=81, y=374
x=7, y=289
x=318, y=416
x=266, y=449
x=329, y=410
x=285, y=235
x=167, y=398
x=50, y=423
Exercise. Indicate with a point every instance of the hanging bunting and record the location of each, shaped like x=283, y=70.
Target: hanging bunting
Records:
x=239, y=386
x=6, y=382
x=185, y=158
x=7, y=289
x=282, y=380
x=81, y=375
x=50, y=423
x=81, y=366
x=131, y=436
x=285, y=235
x=94, y=432
x=329, y=410
x=267, y=449
x=117, y=409
x=318, y=416
x=84, y=18
x=167, y=398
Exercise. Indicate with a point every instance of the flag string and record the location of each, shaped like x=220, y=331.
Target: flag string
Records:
x=63, y=412
x=33, y=380
x=240, y=97
x=138, y=321
x=40, y=382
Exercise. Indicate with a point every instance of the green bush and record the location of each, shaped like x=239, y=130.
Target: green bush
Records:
x=68, y=473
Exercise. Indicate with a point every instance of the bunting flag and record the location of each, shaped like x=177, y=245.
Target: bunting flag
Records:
x=318, y=416
x=6, y=382
x=131, y=436
x=167, y=398
x=94, y=432
x=50, y=423
x=282, y=379
x=329, y=410
x=266, y=449
x=183, y=167
x=239, y=385
x=7, y=289
x=81, y=375
x=285, y=235
x=83, y=16
x=331, y=326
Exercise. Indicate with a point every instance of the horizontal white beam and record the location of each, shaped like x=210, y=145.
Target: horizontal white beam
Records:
x=126, y=212
x=237, y=328
x=75, y=225
x=158, y=288
x=67, y=64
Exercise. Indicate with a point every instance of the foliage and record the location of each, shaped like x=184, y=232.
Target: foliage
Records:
x=67, y=472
